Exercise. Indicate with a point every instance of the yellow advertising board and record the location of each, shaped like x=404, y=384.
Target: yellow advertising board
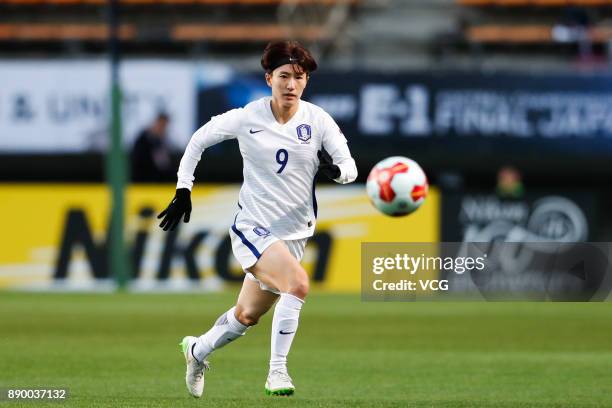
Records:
x=57, y=234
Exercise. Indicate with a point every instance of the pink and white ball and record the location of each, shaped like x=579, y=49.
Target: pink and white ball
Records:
x=397, y=186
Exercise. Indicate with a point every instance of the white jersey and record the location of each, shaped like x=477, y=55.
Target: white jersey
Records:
x=280, y=163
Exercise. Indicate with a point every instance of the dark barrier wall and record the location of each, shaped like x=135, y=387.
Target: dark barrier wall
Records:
x=537, y=216
x=536, y=245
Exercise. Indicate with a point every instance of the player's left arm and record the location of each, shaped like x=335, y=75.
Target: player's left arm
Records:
x=335, y=144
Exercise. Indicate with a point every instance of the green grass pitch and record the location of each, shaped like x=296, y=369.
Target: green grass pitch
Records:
x=121, y=351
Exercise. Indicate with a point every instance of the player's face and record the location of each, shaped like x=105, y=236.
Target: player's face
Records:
x=287, y=83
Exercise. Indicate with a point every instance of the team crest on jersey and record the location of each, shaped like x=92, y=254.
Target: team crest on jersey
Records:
x=261, y=231
x=304, y=133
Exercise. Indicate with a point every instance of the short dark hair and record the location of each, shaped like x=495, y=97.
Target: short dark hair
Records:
x=279, y=53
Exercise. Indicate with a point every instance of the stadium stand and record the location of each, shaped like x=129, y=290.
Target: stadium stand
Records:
x=169, y=25
x=540, y=3
x=545, y=32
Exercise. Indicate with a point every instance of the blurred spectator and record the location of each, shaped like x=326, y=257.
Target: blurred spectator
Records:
x=509, y=182
x=150, y=158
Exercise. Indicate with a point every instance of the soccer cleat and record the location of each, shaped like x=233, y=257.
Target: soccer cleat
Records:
x=194, y=378
x=279, y=383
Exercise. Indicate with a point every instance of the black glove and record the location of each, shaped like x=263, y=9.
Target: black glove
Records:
x=179, y=206
x=327, y=166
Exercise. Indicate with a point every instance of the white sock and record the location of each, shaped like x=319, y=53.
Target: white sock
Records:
x=284, y=326
x=226, y=329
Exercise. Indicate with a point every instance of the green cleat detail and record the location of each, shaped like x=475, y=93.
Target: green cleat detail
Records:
x=282, y=392
x=279, y=383
x=184, y=344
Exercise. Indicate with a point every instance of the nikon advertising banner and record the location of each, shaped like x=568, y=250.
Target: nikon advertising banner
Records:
x=61, y=244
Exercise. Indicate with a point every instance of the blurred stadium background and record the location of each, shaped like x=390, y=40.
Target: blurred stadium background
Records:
x=506, y=104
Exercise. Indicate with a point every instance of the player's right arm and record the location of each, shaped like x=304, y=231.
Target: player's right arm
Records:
x=219, y=128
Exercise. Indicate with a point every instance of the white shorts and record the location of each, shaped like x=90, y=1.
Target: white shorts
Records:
x=249, y=242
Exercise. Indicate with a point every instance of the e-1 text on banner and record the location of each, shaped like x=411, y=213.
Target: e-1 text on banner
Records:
x=451, y=111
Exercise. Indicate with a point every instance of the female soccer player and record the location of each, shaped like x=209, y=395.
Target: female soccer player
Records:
x=284, y=142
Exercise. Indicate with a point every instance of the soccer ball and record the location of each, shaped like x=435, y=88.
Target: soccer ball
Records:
x=397, y=186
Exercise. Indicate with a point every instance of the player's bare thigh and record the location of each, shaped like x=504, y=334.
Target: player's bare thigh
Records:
x=253, y=302
x=279, y=269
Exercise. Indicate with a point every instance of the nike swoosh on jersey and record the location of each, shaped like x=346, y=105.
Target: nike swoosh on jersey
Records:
x=284, y=332
x=251, y=131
